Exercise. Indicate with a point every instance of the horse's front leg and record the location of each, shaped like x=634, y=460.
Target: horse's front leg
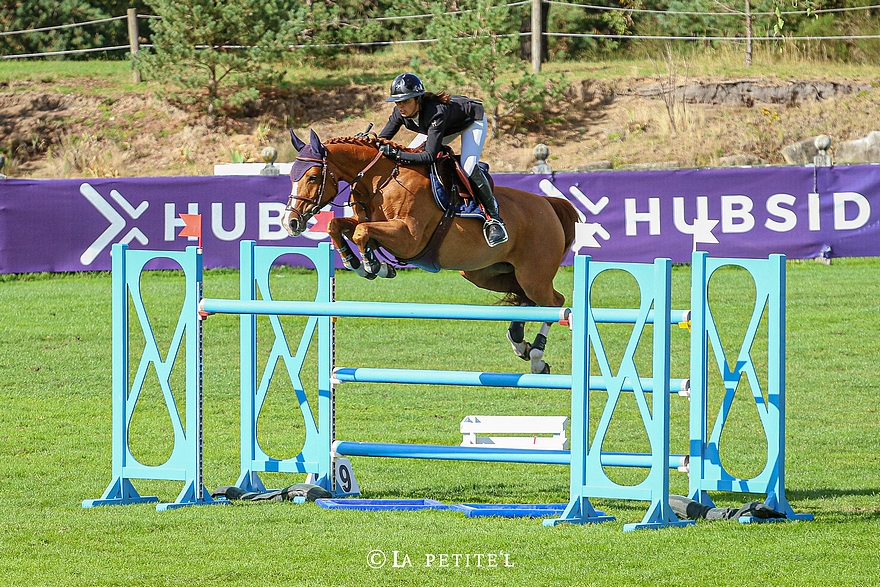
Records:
x=363, y=237
x=339, y=229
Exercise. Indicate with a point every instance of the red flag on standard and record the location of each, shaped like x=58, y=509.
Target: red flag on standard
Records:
x=192, y=226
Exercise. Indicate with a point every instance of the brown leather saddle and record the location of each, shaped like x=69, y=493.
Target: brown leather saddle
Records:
x=452, y=176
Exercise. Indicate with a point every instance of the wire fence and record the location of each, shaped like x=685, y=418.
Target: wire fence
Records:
x=134, y=44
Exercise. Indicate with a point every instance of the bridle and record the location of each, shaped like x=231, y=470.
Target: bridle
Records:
x=316, y=205
x=303, y=217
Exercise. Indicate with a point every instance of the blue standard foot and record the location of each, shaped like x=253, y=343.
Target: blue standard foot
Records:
x=657, y=525
x=598, y=518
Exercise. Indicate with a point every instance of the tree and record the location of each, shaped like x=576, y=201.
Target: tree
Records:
x=18, y=16
x=220, y=53
x=480, y=48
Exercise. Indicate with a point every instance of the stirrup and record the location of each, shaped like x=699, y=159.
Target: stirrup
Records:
x=497, y=240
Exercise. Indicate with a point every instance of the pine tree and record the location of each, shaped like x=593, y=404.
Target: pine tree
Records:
x=219, y=53
x=19, y=16
x=479, y=49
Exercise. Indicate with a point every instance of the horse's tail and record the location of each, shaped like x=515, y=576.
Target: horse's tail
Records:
x=568, y=217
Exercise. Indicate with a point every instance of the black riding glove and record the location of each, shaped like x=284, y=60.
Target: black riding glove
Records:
x=390, y=151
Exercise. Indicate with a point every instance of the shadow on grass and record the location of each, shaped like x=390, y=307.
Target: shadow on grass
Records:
x=474, y=493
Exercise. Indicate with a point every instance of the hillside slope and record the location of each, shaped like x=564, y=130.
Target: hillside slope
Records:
x=96, y=131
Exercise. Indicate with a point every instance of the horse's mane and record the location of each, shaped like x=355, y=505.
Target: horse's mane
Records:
x=373, y=142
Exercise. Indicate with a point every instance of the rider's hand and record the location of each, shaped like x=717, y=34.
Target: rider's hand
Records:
x=390, y=151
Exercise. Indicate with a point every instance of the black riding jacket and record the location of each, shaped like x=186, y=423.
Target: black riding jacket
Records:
x=436, y=120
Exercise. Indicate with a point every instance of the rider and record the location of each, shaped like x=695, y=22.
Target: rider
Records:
x=439, y=119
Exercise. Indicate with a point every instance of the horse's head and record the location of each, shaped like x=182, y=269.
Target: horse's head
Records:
x=313, y=184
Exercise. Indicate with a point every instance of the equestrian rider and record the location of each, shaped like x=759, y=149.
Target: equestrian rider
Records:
x=439, y=119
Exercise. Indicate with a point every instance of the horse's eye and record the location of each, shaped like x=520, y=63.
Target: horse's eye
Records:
x=313, y=179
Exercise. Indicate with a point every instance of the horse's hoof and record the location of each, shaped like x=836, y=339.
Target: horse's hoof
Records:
x=362, y=271
x=387, y=271
x=538, y=370
x=522, y=348
x=536, y=356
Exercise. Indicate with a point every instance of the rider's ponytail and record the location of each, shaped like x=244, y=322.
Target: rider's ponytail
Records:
x=442, y=97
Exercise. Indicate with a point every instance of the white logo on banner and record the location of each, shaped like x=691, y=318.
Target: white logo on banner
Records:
x=584, y=232
x=117, y=222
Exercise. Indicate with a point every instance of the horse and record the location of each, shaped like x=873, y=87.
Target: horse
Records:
x=394, y=209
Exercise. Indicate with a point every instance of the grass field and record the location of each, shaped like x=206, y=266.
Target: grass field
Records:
x=55, y=423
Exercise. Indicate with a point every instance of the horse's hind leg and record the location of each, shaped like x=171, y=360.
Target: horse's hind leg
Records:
x=506, y=282
x=516, y=335
x=536, y=283
x=534, y=352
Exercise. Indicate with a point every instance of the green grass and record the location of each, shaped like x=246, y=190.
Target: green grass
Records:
x=92, y=77
x=644, y=60
x=55, y=426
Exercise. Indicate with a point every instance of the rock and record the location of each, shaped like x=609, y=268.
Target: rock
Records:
x=864, y=150
x=800, y=153
x=648, y=166
x=740, y=161
x=748, y=92
x=594, y=166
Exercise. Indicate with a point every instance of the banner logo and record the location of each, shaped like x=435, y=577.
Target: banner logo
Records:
x=116, y=220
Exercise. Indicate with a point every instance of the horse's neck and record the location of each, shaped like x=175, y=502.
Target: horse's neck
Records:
x=351, y=159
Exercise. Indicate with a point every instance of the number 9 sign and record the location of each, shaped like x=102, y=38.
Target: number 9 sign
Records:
x=346, y=484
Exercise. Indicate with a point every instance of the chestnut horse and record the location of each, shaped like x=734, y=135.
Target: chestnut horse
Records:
x=394, y=209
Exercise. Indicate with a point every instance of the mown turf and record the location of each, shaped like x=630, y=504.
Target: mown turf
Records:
x=55, y=426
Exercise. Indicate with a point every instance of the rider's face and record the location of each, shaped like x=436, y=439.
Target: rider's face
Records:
x=408, y=108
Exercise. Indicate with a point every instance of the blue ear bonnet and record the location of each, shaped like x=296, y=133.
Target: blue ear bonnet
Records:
x=299, y=167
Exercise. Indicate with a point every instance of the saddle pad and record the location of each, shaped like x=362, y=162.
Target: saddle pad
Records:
x=467, y=209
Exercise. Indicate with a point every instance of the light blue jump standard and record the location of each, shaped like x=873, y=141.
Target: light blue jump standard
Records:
x=315, y=457
x=185, y=462
x=586, y=459
x=707, y=473
x=587, y=473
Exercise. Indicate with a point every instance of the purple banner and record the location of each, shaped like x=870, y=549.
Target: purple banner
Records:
x=69, y=225
x=802, y=212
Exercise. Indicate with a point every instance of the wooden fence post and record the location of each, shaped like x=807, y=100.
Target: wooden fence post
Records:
x=133, y=42
x=536, y=36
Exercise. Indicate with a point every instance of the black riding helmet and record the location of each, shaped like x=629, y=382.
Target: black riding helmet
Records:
x=404, y=87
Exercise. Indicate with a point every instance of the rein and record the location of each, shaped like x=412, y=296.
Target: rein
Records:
x=360, y=176
x=323, y=162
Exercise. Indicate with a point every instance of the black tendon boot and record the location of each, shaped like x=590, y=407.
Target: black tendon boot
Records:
x=494, y=229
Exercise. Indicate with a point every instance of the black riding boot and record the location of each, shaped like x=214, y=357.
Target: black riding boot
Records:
x=494, y=229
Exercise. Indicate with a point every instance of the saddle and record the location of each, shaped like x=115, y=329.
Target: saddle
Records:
x=451, y=186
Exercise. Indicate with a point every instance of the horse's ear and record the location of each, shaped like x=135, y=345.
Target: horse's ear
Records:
x=297, y=142
x=315, y=143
